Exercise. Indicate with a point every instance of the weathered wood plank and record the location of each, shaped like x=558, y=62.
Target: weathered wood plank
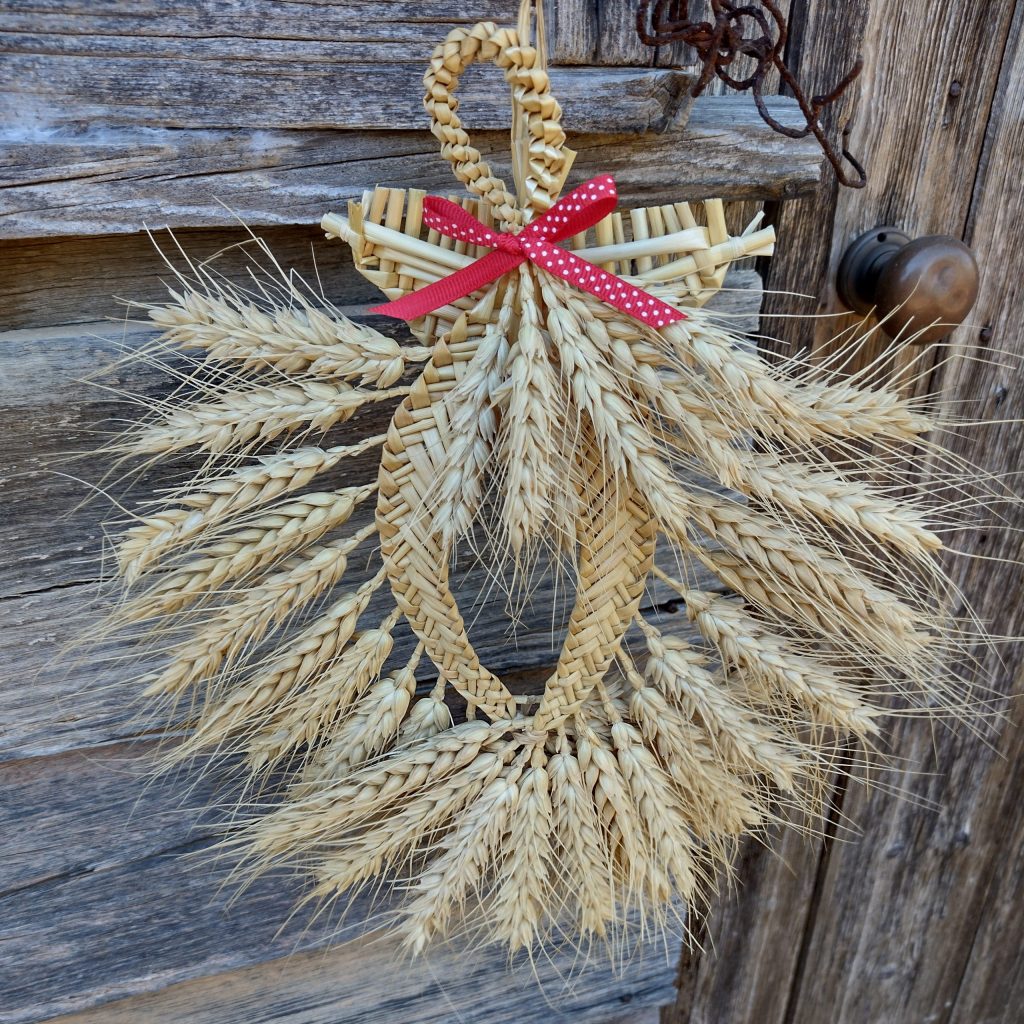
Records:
x=84, y=280
x=42, y=92
x=920, y=97
x=105, y=181
x=751, y=940
x=112, y=891
x=574, y=31
x=911, y=922
x=358, y=29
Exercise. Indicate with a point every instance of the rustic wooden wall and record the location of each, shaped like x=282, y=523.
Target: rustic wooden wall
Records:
x=119, y=113
x=915, y=916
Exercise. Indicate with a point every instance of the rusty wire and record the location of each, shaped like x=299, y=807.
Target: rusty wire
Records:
x=720, y=43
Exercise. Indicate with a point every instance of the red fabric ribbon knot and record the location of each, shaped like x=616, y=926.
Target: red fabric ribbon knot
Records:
x=580, y=209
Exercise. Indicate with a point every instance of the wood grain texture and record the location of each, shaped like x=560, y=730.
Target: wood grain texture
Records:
x=899, y=920
x=825, y=39
x=919, y=136
x=258, y=64
x=913, y=919
x=104, y=181
x=112, y=890
x=285, y=89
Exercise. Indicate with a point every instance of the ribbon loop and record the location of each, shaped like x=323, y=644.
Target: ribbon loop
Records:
x=571, y=215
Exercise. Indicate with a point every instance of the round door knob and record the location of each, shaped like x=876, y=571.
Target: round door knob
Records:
x=921, y=288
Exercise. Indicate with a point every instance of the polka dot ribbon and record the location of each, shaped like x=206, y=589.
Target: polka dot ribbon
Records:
x=580, y=209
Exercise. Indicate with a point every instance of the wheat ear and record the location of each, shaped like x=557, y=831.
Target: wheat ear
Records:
x=525, y=441
x=250, y=706
x=372, y=727
x=243, y=418
x=281, y=532
x=586, y=871
x=744, y=740
x=292, y=339
x=305, y=716
x=466, y=857
x=224, y=498
x=474, y=425
x=521, y=899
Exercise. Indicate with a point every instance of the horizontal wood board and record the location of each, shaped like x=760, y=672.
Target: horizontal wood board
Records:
x=89, y=182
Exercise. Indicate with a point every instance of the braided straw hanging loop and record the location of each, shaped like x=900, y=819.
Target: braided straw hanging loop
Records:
x=531, y=91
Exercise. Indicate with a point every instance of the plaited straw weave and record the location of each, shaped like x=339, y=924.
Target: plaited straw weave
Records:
x=560, y=426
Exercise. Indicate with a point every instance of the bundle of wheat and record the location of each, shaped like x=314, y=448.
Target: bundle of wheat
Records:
x=628, y=780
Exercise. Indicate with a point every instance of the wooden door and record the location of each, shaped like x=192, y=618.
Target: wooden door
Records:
x=190, y=114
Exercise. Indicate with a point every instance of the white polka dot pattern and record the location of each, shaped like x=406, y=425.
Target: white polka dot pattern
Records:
x=572, y=215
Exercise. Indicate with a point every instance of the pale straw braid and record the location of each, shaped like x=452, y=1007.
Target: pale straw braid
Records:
x=524, y=71
x=251, y=487
x=415, y=556
x=294, y=339
x=616, y=539
x=284, y=530
x=257, y=415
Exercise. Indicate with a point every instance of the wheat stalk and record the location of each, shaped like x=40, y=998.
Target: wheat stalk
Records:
x=304, y=716
x=474, y=425
x=242, y=418
x=293, y=339
x=525, y=440
x=155, y=536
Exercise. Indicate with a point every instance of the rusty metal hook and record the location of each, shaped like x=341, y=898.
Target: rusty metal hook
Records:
x=721, y=42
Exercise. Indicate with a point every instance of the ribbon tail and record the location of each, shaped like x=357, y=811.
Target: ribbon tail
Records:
x=442, y=293
x=611, y=290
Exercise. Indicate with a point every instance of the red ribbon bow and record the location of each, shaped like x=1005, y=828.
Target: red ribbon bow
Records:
x=571, y=215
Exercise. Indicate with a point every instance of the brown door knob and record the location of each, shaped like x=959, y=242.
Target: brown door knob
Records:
x=920, y=289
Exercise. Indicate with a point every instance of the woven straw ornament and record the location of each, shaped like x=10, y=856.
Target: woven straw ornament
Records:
x=562, y=429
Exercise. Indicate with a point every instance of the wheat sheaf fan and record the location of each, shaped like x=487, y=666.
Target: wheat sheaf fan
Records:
x=568, y=395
